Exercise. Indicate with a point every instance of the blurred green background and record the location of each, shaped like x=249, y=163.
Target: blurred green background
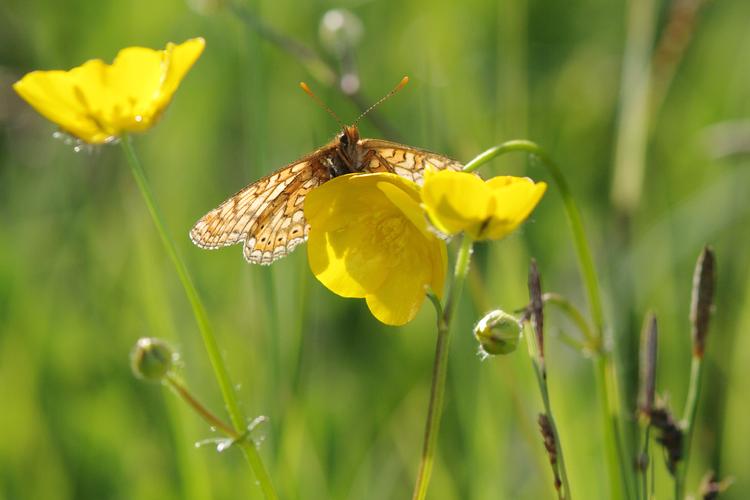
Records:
x=83, y=274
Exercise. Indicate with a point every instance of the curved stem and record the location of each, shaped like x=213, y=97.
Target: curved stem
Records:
x=201, y=317
x=696, y=377
x=585, y=261
x=196, y=405
x=574, y=314
x=619, y=479
x=440, y=369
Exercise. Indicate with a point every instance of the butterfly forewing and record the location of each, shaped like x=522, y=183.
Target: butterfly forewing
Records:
x=267, y=216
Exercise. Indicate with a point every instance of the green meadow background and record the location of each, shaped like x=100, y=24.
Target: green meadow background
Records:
x=83, y=273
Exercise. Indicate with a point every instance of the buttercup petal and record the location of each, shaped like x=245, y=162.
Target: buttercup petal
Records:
x=57, y=96
x=514, y=201
x=335, y=257
x=455, y=201
x=459, y=201
x=97, y=102
x=369, y=238
x=400, y=297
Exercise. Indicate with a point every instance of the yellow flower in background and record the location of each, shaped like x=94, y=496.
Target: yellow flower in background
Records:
x=485, y=210
x=369, y=239
x=98, y=102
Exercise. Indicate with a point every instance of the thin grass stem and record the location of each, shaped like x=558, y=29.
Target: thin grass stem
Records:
x=541, y=378
x=440, y=369
x=201, y=317
x=688, y=423
x=644, y=461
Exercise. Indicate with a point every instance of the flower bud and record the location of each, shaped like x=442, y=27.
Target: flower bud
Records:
x=151, y=359
x=498, y=333
x=701, y=304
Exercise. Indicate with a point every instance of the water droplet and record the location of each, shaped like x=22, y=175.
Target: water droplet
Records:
x=256, y=422
x=223, y=445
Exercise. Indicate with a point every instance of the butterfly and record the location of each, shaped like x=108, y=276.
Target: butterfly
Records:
x=267, y=216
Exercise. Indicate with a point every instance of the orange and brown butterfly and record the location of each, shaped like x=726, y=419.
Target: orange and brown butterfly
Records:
x=267, y=216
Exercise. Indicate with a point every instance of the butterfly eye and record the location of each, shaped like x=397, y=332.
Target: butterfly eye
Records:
x=344, y=139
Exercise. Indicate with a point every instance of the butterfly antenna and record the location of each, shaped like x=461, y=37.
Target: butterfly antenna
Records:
x=315, y=98
x=398, y=87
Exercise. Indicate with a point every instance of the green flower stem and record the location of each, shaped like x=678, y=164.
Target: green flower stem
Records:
x=196, y=405
x=619, y=478
x=240, y=439
x=688, y=421
x=644, y=460
x=440, y=369
x=541, y=378
x=209, y=339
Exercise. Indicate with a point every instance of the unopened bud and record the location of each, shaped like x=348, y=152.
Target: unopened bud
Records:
x=498, y=332
x=536, y=307
x=704, y=283
x=151, y=359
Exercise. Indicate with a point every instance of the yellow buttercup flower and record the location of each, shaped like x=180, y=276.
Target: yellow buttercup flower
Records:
x=369, y=239
x=485, y=210
x=98, y=102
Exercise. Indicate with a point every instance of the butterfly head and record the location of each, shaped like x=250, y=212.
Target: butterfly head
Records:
x=349, y=137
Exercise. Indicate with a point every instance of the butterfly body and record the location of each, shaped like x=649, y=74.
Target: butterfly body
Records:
x=267, y=216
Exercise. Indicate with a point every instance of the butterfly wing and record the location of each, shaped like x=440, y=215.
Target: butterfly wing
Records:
x=406, y=161
x=267, y=215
